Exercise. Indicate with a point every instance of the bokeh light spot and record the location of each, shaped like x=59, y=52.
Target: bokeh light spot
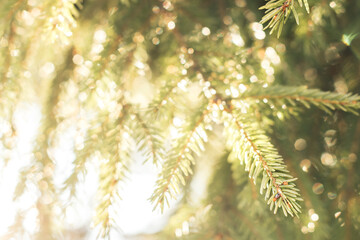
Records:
x=300, y=144
x=305, y=165
x=318, y=188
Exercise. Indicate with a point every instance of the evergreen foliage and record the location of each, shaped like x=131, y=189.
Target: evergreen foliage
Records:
x=278, y=12
x=175, y=80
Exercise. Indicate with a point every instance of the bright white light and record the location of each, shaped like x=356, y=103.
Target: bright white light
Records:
x=234, y=92
x=47, y=69
x=30, y=224
x=256, y=26
x=327, y=159
x=182, y=85
x=337, y=214
x=126, y=135
x=265, y=64
x=242, y=88
x=78, y=59
x=237, y=39
x=314, y=217
x=270, y=52
x=177, y=122
x=253, y=79
x=100, y=36
x=186, y=228
x=139, y=65
x=136, y=215
x=178, y=232
x=272, y=55
x=174, y=133
x=270, y=71
x=26, y=120
x=97, y=48
x=135, y=210
x=259, y=35
x=27, y=17
x=311, y=226
x=171, y=25
x=205, y=31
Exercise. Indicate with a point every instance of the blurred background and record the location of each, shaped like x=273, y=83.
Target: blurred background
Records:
x=69, y=69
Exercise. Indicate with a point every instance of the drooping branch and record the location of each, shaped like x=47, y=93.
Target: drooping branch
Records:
x=148, y=138
x=253, y=148
x=113, y=168
x=180, y=160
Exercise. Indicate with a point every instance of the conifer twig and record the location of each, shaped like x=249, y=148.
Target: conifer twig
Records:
x=146, y=134
x=253, y=148
x=291, y=95
x=113, y=170
x=179, y=163
x=278, y=11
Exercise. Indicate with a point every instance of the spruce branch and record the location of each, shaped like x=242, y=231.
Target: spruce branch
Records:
x=113, y=170
x=82, y=157
x=253, y=148
x=181, y=48
x=260, y=156
x=164, y=101
x=148, y=139
x=98, y=138
x=179, y=161
x=326, y=101
x=278, y=11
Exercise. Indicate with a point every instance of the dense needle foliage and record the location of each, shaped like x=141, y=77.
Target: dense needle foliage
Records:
x=198, y=88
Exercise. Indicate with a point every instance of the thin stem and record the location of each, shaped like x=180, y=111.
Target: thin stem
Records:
x=310, y=99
